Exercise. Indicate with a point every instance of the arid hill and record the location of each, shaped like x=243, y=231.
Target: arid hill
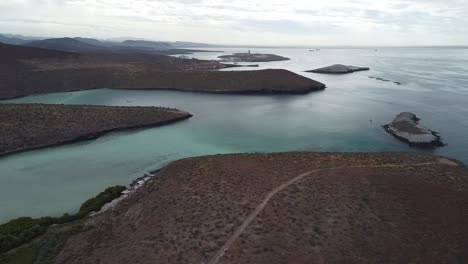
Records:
x=25, y=71
x=29, y=126
x=65, y=44
x=287, y=208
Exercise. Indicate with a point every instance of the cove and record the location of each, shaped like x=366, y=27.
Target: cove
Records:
x=57, y=180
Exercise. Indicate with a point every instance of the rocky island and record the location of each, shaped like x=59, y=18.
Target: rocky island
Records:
x=252, y=57
x=25, y=71
x=293, y=208
x=30, y=126
x=339, y=69
x=384, y=80
x=406, y=127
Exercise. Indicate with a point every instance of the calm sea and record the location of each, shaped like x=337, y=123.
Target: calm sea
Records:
x=347, y=116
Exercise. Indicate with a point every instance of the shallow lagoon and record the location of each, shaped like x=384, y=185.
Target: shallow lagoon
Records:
x=56, y=180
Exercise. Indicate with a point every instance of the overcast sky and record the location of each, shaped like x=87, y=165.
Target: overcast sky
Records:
x=255, y=22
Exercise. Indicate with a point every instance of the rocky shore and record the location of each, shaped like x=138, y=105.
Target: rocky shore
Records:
x=406, y=128
x=339, y=69
x=293, y=208
x=31, y=126
x=252, y=57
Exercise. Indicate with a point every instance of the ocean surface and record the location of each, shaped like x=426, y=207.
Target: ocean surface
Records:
x=347, y=116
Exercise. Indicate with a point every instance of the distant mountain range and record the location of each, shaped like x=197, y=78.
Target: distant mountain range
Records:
x=12, y=40
x=65, y=44
x=147, y=44
x=16, y=39
x=90, y=45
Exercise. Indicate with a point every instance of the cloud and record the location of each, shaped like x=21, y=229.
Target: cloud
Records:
x=267, y=22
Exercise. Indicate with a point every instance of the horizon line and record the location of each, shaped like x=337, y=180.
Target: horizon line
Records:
x=311, y=46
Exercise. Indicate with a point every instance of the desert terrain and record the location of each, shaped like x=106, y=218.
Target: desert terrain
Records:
x=287, y=208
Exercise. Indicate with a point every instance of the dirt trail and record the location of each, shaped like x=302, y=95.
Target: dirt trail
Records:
x=220, y=253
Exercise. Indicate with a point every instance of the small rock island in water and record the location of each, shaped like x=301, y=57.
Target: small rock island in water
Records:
x=339, y=69
x=406, y=127
x=30, y=126
x=252, y=57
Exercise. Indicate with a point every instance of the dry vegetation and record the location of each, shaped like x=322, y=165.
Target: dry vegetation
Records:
x=410, y=214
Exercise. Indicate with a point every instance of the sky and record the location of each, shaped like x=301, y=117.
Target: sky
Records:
x=246, y=22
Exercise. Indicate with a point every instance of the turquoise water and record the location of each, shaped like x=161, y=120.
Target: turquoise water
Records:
x=56, y=180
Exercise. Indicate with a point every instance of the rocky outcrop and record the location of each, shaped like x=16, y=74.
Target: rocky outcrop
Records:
x=339, y=69
x=31, y=126
x=384, y=80
x=252, y=57
x=406, y=127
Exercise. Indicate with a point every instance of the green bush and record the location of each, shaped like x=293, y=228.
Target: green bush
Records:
x=22, y=230
x=19, y=231
x=96, y=203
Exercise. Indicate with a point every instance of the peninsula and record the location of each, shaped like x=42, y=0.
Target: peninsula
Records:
x=31, y=126
x=293, y=208
x=26, y=70
x=252, y=57
x=270, y=81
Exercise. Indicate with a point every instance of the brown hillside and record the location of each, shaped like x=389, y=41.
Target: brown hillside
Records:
x=287, y=208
